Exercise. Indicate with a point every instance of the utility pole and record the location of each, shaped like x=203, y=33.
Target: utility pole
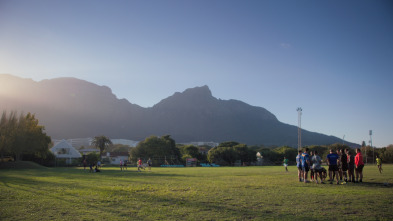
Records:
x=371, y=144
x=299, y=128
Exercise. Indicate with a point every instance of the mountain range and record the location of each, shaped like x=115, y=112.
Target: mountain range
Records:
x=72, y=108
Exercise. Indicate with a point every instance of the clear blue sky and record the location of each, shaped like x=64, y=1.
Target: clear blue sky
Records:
x=332, y=58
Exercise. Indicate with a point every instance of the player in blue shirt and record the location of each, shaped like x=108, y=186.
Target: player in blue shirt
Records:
x=305, y=164
x=299, y=166
x=333, y=159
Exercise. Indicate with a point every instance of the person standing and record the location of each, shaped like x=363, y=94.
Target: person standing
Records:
x=317, y=167
x=286, y=163
x=340, y=172
x=305, y=164
x=359, y=166
x=332, y=160
x=139, y=165
x=149, y=163
x=344, y=164
x=379, y=164
x=299, y=166
x=351, y=166
x=121, y=165
x=84, y=164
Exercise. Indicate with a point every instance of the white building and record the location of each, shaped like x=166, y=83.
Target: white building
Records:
x=64, y=150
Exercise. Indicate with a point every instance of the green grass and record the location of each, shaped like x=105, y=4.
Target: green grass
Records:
x=225, y=193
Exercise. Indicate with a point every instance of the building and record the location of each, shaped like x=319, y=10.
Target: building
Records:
x=64, y=150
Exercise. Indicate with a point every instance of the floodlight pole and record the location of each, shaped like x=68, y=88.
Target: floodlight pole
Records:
x=371, y=144
x=299, y=128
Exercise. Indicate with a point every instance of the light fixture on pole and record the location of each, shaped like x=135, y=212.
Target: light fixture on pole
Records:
x=299, y=128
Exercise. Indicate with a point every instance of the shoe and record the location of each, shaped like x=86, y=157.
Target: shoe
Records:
x=337, y=183
x=360, y=181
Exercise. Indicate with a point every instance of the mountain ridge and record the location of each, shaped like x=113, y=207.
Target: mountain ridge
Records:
x=70, y=107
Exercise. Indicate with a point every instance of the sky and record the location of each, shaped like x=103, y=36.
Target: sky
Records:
x=334, y=59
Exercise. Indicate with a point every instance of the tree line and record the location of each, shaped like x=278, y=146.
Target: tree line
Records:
x=165, y=150
x=22, y=137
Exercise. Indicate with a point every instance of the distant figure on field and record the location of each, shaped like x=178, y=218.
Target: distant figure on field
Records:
x=299, y=166
x=351, y=166
x=344, y=164
x=84, y=164
x=340, y=171
x=286, y=163
x=311, y=167
x=332, y=160
x=379, y=164
x=121, y=165
x=305, y=164
x=91, y=168
x=96, y=169
x=99, y=164
x=359, y=166
x=125, y=165
x=139, y=165
x=149, y=163
x=317, y=167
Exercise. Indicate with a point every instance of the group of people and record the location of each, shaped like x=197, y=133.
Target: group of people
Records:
x=342, y=166
x=92, y=165
x=140, y=165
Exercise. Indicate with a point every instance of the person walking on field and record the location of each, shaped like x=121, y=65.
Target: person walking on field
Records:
x=359, y=166
x=286, y=163
x=332, y=160
x=149, y=163
x=121, y=165
x=299, y=166
x=379, y=164
x=305, y=164
x=139, y=165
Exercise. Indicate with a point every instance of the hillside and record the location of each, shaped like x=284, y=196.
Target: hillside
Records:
x=71, y=108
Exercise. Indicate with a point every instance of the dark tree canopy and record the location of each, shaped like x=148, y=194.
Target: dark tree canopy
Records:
x=22, y=136
x=159, y=148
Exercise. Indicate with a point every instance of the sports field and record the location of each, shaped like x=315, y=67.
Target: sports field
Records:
x=222, y=193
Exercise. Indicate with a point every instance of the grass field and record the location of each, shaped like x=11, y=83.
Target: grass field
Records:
x=224, y=193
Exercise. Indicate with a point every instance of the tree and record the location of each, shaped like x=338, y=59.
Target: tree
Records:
x=23, y=136
x=101, y=142
x=159, y=148
x=227, y=153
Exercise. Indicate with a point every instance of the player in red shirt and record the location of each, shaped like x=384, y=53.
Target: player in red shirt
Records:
x=359, y=165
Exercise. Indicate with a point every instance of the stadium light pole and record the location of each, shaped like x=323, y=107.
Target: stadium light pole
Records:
x=371, y=144
x=299, y=128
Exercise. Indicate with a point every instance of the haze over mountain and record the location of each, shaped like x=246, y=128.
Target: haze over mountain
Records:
x=73, y=108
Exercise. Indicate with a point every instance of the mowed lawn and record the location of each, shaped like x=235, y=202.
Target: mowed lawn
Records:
x=224, y=193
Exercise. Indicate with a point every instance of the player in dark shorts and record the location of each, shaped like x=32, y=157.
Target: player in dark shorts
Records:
x=359, y=165
x=305, y=164
x=344, y=164
x=332, y=160
x=351, y=166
